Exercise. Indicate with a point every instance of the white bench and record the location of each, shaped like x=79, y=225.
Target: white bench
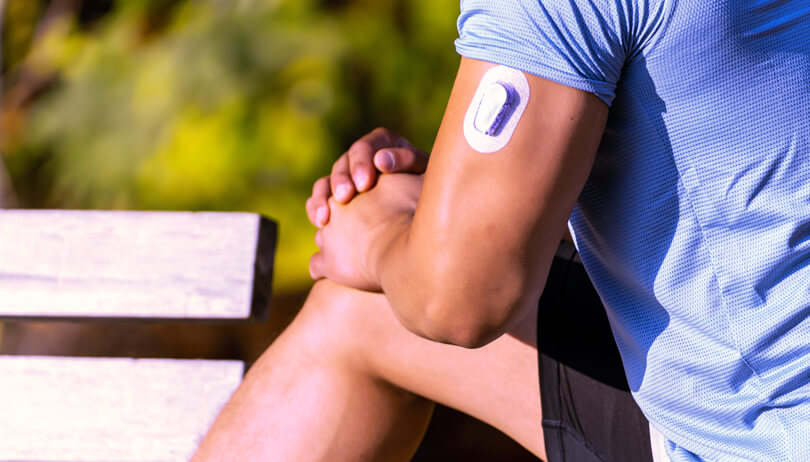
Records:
x=124, y=266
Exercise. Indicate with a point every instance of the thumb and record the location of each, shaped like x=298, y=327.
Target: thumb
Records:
x=401, y=160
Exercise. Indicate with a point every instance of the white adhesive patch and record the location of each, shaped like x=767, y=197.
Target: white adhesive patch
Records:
x=490, y=104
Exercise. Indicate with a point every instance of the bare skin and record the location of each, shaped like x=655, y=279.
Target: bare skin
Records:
x=355, y=375
x=375, y=382
x=469, y=261
x=333, y=387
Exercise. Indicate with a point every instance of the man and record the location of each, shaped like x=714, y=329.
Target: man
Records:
x=691, y=220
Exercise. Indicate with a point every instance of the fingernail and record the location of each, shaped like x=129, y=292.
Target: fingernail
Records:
x=321, y=215
x=386, y=161
x=342, y=191
x=361, y=180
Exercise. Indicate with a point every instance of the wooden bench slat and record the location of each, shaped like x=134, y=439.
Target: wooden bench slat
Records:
x=109, y=409
x=157, y=265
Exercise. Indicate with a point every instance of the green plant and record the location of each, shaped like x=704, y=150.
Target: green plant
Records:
x=227, y=105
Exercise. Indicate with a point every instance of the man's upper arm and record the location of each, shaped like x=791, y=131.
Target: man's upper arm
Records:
x=489, y=223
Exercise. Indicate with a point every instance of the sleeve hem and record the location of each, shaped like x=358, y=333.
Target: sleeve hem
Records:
x=602, y=90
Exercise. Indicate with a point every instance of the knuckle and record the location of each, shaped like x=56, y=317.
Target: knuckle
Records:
x=389, y=136
x=380, y=135
x=360, y=145
x=407, y=153
x=381, y=131
x=404, y=156
x=361, y=158
x=363, y=161
x=340, y=163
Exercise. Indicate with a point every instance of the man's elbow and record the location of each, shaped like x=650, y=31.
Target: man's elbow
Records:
x=464, y=334
x=469, y=321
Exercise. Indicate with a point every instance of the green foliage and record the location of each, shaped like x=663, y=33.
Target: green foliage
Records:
x=228, y=105
x=18, y=29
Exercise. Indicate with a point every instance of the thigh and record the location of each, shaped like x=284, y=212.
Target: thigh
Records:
x=589, y=413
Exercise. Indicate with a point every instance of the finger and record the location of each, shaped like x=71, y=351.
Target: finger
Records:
x=401, y=160
x=311, y=208
x=319, y=239
x=361, y=155
x=317, y=208
x=316, y=263
x=361, y=167
x=342, y=186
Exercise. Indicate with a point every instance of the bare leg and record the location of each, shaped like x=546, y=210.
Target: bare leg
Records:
x=347, y=382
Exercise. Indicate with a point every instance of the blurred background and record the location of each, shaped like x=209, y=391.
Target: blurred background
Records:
x=232, y=105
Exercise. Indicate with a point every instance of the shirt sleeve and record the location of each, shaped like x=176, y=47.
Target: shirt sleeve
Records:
x=578, y=43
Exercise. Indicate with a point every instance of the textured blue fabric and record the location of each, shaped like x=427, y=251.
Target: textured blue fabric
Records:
x=695, y=221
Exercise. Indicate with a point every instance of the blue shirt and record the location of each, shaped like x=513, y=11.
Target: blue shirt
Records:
x=695, y=221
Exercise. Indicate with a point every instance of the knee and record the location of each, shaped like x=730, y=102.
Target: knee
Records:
x=335, y=319
x=330, y=304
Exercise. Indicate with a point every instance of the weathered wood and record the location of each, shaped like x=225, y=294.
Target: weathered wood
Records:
x=94, y=409
x=157, y=265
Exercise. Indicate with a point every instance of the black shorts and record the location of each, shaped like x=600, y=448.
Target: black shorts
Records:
x=588, y=412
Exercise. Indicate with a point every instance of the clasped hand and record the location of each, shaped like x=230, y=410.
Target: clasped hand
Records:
x=359, y=212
